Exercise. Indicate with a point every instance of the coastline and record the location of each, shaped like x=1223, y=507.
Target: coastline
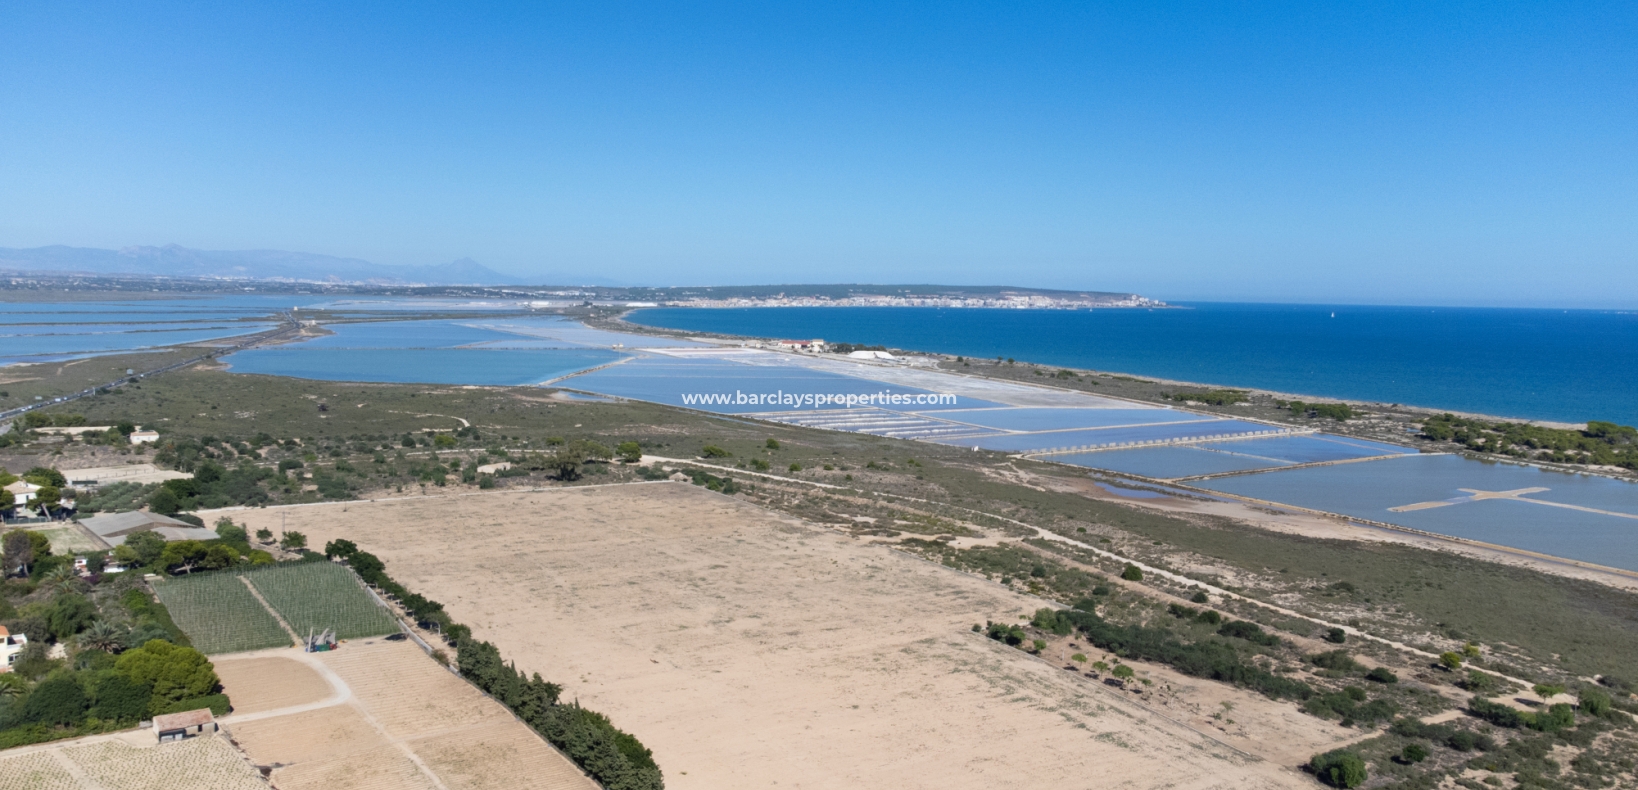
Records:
x=623, y=324
x=1396, y=414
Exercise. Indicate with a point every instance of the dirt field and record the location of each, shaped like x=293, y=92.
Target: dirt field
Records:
x=379, y=715
x=751, y=650
x=129, y=761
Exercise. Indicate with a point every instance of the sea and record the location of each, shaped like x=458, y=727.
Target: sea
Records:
x=1566, y=366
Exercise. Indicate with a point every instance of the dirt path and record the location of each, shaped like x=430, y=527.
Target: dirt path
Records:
x=748, y=648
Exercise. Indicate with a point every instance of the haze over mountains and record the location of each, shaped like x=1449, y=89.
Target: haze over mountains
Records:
x=177, y=261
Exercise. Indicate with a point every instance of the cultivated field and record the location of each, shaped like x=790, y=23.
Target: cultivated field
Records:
x=379, y=715
x=751, y=650
x=220, y=614
x=114, y=763
x=319, y=595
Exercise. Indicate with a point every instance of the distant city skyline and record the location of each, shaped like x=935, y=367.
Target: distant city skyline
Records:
x=1463, y=154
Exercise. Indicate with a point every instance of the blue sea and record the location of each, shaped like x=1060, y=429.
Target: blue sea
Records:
x=1560, y=365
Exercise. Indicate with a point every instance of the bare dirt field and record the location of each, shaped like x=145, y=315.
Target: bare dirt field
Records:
x=749, y=649
x=379, y=715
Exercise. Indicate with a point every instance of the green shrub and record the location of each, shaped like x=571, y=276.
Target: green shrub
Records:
x=1337, y=660
x=1132, y=573
x=119, y=698
x=1382, y=675
x=1339, y=768
x=1249, y=631
x=56, y=701
x=1594, y=702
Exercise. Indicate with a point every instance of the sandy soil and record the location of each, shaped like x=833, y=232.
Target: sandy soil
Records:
x=749, y=649
x=379, y=715
x=269, y=682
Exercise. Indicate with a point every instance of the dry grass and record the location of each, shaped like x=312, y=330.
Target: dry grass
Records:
x=749, y=649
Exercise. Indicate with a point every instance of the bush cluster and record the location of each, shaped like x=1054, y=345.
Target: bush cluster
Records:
x=1213, y=660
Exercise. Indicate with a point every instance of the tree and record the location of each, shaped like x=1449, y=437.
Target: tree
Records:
x=1336, y=636
x=119, y=698
x=1414, y=753
x=164, y=502
x=219, y=556
x=231, y=532
x=48, y=498
x=1340, y=768
x=184, y=556
x=19, y=552
x=1594, y=702
x=772, y=444
x=564, y=462
x=1132, y=573
x=264, y=535
x=629, y=452
x=293, y=541
x=103, y=635
x=1123, y=672
x=69, y=615
x=1200, y=597
x=174, y=673
x=45, y=476
x=1451, y=661
x=343, y=549
x=57, y=701
x=8, y=500
x=147, y=546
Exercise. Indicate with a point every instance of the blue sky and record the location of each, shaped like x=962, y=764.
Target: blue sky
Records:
x=1452, y=153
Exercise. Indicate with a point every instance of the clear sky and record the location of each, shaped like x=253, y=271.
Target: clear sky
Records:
x=1448, y=153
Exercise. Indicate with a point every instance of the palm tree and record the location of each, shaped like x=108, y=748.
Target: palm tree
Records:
x=63, y=579
x=104, y=636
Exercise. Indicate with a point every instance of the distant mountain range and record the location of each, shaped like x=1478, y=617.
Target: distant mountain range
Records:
x=175, y=261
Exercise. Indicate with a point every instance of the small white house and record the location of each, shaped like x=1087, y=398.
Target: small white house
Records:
x=11, y=646
x=144, y=437
x=23, y=491
x=870, y=355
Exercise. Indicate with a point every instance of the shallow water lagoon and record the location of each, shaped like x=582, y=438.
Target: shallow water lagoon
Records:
x=746, y=389
x=1165, y=463
x=425, y=365
x=37, y=347
x=1027, y=419
x=1380, y=490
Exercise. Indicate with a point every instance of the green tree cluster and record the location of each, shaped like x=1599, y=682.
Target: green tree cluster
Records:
x=1601, y=443
x=1341, y=412
x=1210, y=397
